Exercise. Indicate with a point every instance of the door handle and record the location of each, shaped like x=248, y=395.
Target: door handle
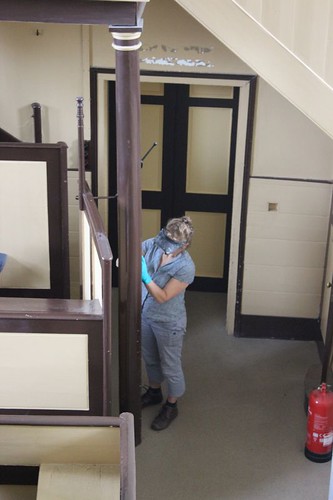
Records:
x=328, y=285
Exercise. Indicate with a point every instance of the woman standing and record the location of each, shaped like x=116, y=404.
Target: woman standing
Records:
x=167, y=270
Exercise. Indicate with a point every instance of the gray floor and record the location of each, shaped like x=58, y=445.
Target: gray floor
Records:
x=241, y=428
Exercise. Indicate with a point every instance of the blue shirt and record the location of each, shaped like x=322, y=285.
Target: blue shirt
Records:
x=182, y=269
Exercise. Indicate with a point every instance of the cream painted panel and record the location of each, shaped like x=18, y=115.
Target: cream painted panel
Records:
x=74, y=244
x=302, y=26
x=73, y=217
x=68, y=481
x=24, y=226
x=279, y=18
x=311, y=31
x=292, y=197
x=74, y=234
x=151, y=223
x=252, y=7
x=96, y=275
x=75, y=272
x=152, y=88
x=11, y=492
x=32, y=444
x=285, y=253
x=285, y=249
x=327, y=291
x=211, y=91
x=151, y=173
x=258, y=48
x=44, y=371
x=207, y=247
x=281, y=304
x=285, y=143
x=329, y=54
x=283, y=279
x=208, y=150
x=85, y=253
x=288, y=226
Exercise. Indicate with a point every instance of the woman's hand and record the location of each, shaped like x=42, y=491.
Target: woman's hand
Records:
x=145, y=276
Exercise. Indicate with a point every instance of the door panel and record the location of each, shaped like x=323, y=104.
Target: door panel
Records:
x=152, y=126
x=207, y=248
x=190, y=171
x=208, y=151
x=151, y=223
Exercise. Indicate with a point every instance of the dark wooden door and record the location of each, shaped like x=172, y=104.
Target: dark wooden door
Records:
x=190, y=171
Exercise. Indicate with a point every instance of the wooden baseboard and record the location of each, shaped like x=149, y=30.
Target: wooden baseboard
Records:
x=269, y=327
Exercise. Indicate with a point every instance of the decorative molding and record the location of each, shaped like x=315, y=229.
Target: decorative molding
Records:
x=125, y=41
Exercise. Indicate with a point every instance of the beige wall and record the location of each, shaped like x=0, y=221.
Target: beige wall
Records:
x=286, y=143
x=50, y=69
x=285, y=248
x=304, y=27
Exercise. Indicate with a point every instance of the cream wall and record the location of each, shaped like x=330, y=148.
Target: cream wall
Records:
x=171, y=41
x=285, y=248
x=304, y=27
x=53, y=69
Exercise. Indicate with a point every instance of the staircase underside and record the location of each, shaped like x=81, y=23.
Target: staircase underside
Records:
x=267, y=57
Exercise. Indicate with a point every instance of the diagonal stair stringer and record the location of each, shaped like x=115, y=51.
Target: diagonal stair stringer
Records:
x=268, y=57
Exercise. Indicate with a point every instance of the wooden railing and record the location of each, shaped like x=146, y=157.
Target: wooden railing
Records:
x=96, y=277
x=95, y=258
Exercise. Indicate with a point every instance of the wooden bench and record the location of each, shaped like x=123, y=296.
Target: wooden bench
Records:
x=76, y=456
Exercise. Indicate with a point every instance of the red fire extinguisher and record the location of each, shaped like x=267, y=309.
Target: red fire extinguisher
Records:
x=318, y=447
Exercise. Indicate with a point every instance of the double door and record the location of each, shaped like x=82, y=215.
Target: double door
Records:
x=189, y=171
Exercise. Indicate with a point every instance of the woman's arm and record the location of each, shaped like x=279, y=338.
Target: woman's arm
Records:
x=171, y=289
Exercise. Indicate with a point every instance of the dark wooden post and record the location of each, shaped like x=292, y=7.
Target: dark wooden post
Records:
x=80, y=129
x=37, y=121
x=126, y=45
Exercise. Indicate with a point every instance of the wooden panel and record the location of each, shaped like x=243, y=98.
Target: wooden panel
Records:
x=208, y=150
x=24, y=206
x=311, y=31
x=285, y=279
x=151, y=222
x=277, y=253
x=211, y=91
x=152, y=88
x=207, y=248
x=74, y=12
x=293, y=197
x=31, y=320
x=285, y=248
x=85, y=257
x=279, y=19
x=292, y=305
x=286, y=226
x=40, y=371
x=96, y=276
x=152, y=131
x=33, y=445
x=253, y=7
x=327, y=291
x=302, y=88
x=11, y=492
x=65, y=482
x=55, y=157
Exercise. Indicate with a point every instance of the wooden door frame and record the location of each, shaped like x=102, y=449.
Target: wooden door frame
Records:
x=99, y=78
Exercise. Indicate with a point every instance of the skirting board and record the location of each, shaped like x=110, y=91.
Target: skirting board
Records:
x=269, y=327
